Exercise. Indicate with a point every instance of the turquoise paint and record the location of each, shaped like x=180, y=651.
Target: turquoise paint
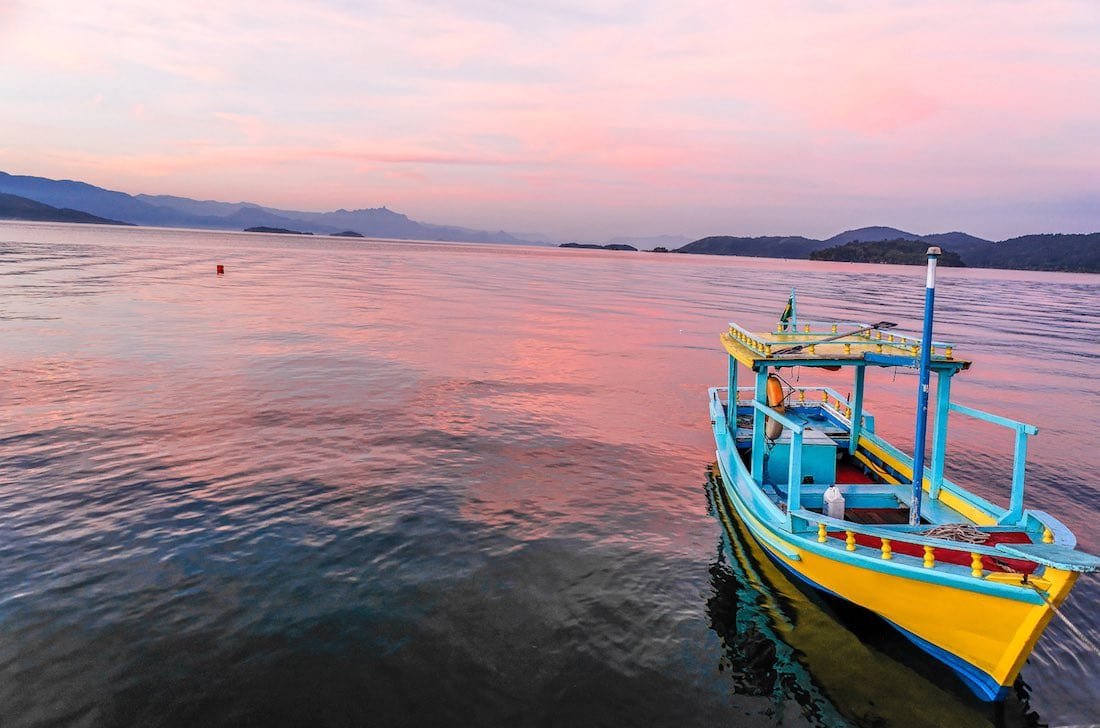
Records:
x=1015, y=513
x=995, y=419
x=857, y=409
x=1062, y=535
x=794, y=479
x=817, y=458
x=777, y=415
x=759, y=398
x=730, y=396
x=939, y=436
x=1050, y=554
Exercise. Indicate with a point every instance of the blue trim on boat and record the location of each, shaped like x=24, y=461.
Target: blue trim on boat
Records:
x=982, y=684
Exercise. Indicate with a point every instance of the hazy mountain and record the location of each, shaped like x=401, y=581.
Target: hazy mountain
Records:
x=172, y=211
x=199, y=208
x=962, y=243
x=13, y=207
x=956, y=240
x=869, y=235
x=84, y=197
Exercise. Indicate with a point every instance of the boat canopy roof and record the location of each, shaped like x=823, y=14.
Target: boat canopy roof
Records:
x=832, y=344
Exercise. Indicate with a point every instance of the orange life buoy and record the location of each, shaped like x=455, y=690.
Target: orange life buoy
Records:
x=773, y=428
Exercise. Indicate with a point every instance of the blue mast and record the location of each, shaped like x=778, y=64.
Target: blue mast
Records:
x=922, y=393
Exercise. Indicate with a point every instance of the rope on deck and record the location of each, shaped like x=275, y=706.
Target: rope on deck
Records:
x=963, y=532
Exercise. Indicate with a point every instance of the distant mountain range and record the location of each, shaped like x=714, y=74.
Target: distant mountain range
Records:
x=38, y=198
x=169, y=211
x=1057, y=252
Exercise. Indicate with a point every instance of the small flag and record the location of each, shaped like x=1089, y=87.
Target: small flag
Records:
x=788, y=314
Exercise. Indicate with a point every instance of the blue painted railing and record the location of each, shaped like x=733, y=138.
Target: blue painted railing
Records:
x=1015, y=513
x=794, y=462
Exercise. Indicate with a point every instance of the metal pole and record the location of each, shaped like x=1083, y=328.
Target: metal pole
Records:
x=922, y=393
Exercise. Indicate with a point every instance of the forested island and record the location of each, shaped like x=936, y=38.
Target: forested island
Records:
x=280, y=231
x=594, y=246
x=896, y=252
x=1074, y=253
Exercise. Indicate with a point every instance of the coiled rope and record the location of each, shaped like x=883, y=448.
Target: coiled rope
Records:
x=962, y=532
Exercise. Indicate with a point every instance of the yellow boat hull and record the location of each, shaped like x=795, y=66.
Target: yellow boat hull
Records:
x=985, y=638
x=992, y=634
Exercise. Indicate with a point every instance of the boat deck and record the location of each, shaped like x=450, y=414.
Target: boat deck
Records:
x=870, y=498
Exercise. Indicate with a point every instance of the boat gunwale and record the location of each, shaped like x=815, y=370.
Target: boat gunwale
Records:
x=945, y=574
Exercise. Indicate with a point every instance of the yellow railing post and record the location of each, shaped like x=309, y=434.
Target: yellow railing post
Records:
x=929, y=557
x=850, y=540
x=821, y=533
x=887, y=552
x=976, y=564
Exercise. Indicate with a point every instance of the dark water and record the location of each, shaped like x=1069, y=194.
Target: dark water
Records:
x=367, y=483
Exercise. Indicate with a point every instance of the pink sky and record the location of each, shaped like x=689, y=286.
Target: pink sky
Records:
x=576, y=119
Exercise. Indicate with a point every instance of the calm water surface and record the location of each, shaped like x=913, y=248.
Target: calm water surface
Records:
x=369, y=483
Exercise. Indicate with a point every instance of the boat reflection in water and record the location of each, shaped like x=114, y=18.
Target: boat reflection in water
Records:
x=840, y=663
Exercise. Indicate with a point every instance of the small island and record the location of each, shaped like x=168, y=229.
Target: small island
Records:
x=348, y=234
x=895, y=252
x=280, y=231
x=594, y=246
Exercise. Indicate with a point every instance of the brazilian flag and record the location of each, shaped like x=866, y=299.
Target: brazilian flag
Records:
x=788, y=314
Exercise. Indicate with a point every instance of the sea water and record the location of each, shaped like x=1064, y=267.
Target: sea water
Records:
x=388, y=483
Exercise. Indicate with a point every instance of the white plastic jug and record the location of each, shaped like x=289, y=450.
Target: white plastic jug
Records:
x=834, y=502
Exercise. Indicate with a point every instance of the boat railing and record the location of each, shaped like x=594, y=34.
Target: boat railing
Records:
x=1015, y=513
x=889, y=536
x=817, y=395
x=794, y=460
x=810, y=332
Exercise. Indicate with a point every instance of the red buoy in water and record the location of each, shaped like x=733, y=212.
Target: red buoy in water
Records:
x=221, y=269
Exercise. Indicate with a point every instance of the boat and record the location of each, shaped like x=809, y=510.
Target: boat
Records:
x=837, y=506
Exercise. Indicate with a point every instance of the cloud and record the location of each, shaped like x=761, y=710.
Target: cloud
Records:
x=534, y=108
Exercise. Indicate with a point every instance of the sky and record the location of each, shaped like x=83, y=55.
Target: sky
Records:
x=574, y=119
